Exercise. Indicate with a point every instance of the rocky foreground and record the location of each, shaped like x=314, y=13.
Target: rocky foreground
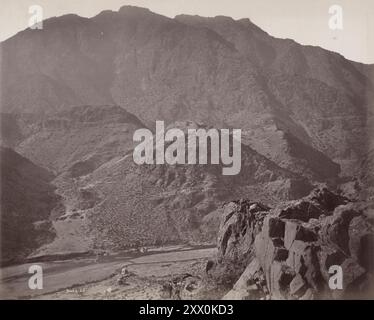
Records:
x=286, y=252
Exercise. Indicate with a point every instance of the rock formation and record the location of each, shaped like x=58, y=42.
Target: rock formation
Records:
x=286, y=252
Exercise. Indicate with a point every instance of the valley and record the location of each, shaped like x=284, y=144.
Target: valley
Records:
x=97, y=277
x=74, y=200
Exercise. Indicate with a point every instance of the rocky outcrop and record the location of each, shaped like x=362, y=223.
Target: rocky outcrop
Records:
x=241, y=221
x=289, y=250
x=240, y=224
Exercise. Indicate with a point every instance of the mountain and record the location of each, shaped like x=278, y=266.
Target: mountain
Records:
x=82, y=136
x=74, y=93
x=111, y=203
x=157, y=204
x=27, y=199
x=297, y=105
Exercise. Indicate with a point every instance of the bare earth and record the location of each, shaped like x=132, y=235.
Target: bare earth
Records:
x=97, y=277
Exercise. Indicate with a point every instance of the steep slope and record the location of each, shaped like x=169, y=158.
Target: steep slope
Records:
x=328, y=99
x=302, y=104
x=79, y=139
x=110, y=203
x=71, y=143
x=27, y=200
x=155, y=204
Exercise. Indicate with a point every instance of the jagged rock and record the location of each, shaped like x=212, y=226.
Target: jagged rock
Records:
x=297, y=286
x=295, y=245
x=294, y=230
x=251, y=284
x=301, y=210
x=273, y=227
x=281, y=254
x=240, y=223
x=335, y=228
x=361, y=240
x=296, y=255
x=280, y=278
x=320, y=202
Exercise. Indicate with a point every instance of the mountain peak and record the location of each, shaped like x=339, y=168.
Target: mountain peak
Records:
x=245, y=21
x=134, y=10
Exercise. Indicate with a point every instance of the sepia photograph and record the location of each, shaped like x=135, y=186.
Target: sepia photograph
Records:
x=187, y=150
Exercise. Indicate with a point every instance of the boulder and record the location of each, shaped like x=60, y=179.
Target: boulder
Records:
x=294, y=230
x=289, y=249
x=240, y=223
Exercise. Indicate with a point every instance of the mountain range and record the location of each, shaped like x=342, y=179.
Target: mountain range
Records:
x=74, y=92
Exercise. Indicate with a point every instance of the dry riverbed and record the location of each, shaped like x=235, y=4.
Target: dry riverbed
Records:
x=151, y=275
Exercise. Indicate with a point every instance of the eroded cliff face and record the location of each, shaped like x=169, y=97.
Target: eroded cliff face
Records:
x=286, y=252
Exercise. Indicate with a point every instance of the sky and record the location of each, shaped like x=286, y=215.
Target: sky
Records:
x=305, y=21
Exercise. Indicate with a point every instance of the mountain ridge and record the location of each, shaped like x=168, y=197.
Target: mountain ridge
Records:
x=180, y=69
x=75, y=92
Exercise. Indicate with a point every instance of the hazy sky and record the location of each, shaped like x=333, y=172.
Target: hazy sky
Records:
x=305, y=21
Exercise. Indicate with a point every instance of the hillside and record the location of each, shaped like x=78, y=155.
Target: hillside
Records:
x=79, y=138
x=74, y=93
x=287, y=98
x=27, y=199
x=119, y=204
